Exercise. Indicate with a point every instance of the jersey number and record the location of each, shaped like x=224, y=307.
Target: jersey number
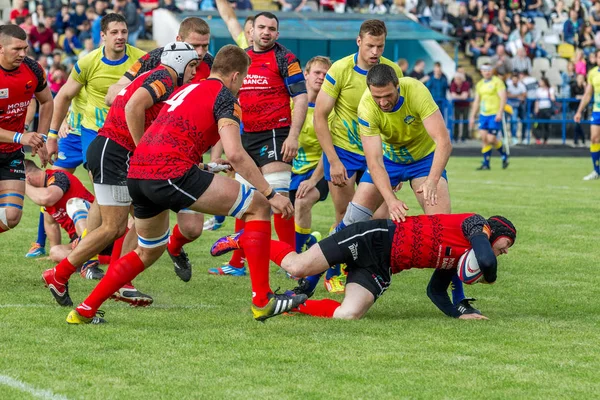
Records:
x=177, y=100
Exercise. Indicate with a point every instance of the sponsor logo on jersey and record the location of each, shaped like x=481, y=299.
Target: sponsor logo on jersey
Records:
x=354, y=250
x=409, y=120
x=4, y=93
x=28, y=85
x=15, y=163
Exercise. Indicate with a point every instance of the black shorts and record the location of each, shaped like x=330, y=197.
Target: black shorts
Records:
x=365, y=248
x=323, y=188
x=108, y=162
x=151, y=197
x=265, y=147
x=12, y=166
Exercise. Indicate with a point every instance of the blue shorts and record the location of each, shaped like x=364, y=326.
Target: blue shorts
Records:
x=488, y=123
x=69, y=152
x=87, y=136
x=595, y=118
x=352, y=162
x=405, y=172
x=297, y=179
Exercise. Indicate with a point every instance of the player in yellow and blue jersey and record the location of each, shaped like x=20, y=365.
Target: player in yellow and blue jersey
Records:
x=344, y=84
x=490, y=99
x=592, y=89
x=308, y=185
x=96, y=72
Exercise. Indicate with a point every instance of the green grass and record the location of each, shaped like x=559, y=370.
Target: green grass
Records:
x=199, y=340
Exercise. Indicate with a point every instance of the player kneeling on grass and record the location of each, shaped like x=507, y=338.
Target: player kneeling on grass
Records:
x=374, y=250
x=164, y=175
x=65, y=200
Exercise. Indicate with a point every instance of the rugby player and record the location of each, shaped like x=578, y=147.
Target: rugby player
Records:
x=164, y=175
x=21, y=79
x=592, y=89
x=375, y=250
x=270, y=127
x=134, y=109
x=342, y=89
x=490, y=99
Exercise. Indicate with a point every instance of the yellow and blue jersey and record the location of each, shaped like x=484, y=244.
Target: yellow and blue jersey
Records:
x=97, y=73
x=309, y=149
x=76, y=111
x=594, y=80
x=405, y=139
x=241, y=41
x=346, y=82
x=489, y=99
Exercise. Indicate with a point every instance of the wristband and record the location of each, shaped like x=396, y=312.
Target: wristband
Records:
x=52, y=134
x=269, y=193
x=44, y=138
x=17, y=137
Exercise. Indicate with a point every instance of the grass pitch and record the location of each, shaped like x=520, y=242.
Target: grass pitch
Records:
x=199, y=339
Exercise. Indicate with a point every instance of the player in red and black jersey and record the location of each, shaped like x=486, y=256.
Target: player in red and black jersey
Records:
x=374, y=250
x=164, y=175
x=136, y=106
x=65, y=200
x=271, y=128
x=21, y=78
x=192, y=30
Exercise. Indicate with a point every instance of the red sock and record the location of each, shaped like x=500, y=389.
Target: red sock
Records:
x=279, y=250
x=105, y=260
x=117, y=248
x=319, y=308
x=286, y=229
x=256, y=242
x=64, y=270
x=121, y=272
x=177, y=241
x=237, y=258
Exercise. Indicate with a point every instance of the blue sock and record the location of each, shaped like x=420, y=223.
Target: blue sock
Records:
x=333, y=271
x=41, y=236
x=595, y=153
x=457, y=290
x=338, y=227
x=219, y=219
x=487, y=154
x=301, y=239
x=500, y=149
x=313, y=281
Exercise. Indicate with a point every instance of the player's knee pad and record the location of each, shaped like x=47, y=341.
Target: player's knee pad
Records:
x=151, y=243
x=356, y=213
x=279, y=181
x=4, y=204
x=242, y=202
x=243, y=181
x=77, y=209
x=112, y=195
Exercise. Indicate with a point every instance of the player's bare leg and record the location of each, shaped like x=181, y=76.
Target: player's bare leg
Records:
x=341, y=197
x=357, y=301
x=443, y=197
x=285, y=228
x=188, y=228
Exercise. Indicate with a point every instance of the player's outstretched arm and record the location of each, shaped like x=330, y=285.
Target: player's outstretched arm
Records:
x=115, y=88
x=585, y=100
x=228, y=15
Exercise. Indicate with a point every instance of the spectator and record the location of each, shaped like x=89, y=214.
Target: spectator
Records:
x=424, y=14
x=594, y=18
x=57, y=78
x=41, y=35
x=531, y=84
x=52, y=7
x=578, y=86
x=479, y=41
x=591, y=61
x=437, y=83
x=56, y=58
x=587, y=42
x=62, y=20
x=403, y=64
x=463, y=24
x=533, y=8
x=377, y=7
x=46, y=50
x=502, y=25
x=88, y=47
x=85, y=31
x=134, y=24
x=515, y=6
x=247, y=5
x=581, y=12
x=521, y=63
x=468, y=77
x=543, y=108
x=43, y=61
x=535, y=36
x=170, y=6
x=71, y=45
x=27, y=24
x=475, y=9
x=18, y=13
x=516, y=94
x=39, y=14
x=76, y=18
x=418, y=71
x=399, y=7
x=558, y=17
x=580, y=63
x=491, y=10
x=567, y=78
x=439, y=18
x=460, y=92
x=501, y=62
x=571, y=28
x=518, y=38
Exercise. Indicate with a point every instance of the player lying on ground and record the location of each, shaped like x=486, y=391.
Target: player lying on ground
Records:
x=374, y=250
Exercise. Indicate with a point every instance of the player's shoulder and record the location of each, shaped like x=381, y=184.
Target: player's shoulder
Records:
x=409, y=83
x=344, y=64
x=208, y=59
x=392, y=64
x=35, y=67
x=92, y=58
x=134, y=52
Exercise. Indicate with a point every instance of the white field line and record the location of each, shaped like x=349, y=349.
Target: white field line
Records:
x=158, y=306
x=23, y=387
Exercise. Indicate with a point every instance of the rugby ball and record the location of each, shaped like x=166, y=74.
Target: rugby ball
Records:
x=468, y=269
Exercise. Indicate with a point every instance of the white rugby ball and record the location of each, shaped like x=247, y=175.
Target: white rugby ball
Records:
x=468, y=269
